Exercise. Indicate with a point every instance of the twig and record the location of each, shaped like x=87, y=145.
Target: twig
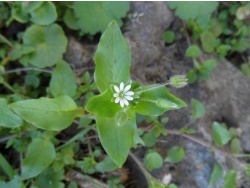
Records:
x=6, y=40
x=26, y=69
x=186, y=33
x=208, y=145
x=84, y=180
x=4, y=139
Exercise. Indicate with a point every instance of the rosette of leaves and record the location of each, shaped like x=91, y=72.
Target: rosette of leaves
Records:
x=93, y=17
x=199, y=11
x=39, y=12
x=116, y=126
x=49, y=44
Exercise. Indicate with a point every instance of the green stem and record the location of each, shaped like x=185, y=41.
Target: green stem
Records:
x=6, y=40
x=26, y=69
x=156, y=86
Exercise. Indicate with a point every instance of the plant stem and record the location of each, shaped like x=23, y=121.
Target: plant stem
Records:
x=26, y=69
x=208, y=145
x=6, y=40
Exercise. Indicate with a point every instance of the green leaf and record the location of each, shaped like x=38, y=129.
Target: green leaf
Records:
x=155, y=100
x=49, y=114
x=37, y=159
x=175, y=154
x=245, y=68
x=32, y=80
x=63, y=81
x=49, y=42
x=198, y=109
x=208, y=41
x=149, y=139
x=31, y=6
x=153, y=161
x=94, y=17
x=7, y=117
x=221, y=135
x=6, y=167
x=206, y=68
x=50, y=179
x=168, y=36
x=193, y=51
x=106, y=165
x=45, y=14
x=247, y=171
x=112, y=58
x=193, y=10
x=192, y=76
x=102, y=105
x=14, y=183
x=70, y=20
x=230, y=180
x=235, y=146
x=116, y=139
x=216, y=175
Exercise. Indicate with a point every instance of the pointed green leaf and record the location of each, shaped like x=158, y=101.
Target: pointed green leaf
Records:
x=112, y=58
x=40, y=155
x=155, y=100
x=49, y=114
x=230, y=180
x=63, y=81
x=221, y=135
x=102, y=105
x=216, y=175
x=198, y=109
x=49, y=42
x=7, y=117
x=116, y=138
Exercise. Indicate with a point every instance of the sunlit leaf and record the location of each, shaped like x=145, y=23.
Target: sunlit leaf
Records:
x=49, y=114
x=112, y=58
x=116, y=139
x=230, y=180
x=94, y=17
x=63, y=81
x=216, y=175
x=221, y=135
x=198, y=109
x=49, y=43
x=157, y=101
x=7, y=117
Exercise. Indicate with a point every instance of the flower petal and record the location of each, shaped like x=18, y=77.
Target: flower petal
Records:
x=117, y=99
x=127, y=88
x=121, y=102
x=129, y=93
x=125, y=102
x=128, y=98
x=121, y=86
x=117, y=90
x=116, y=95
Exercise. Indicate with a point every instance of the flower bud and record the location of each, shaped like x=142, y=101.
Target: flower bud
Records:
x=178, y=81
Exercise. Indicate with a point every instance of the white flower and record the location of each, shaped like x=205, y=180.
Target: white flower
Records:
x=123, y=95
